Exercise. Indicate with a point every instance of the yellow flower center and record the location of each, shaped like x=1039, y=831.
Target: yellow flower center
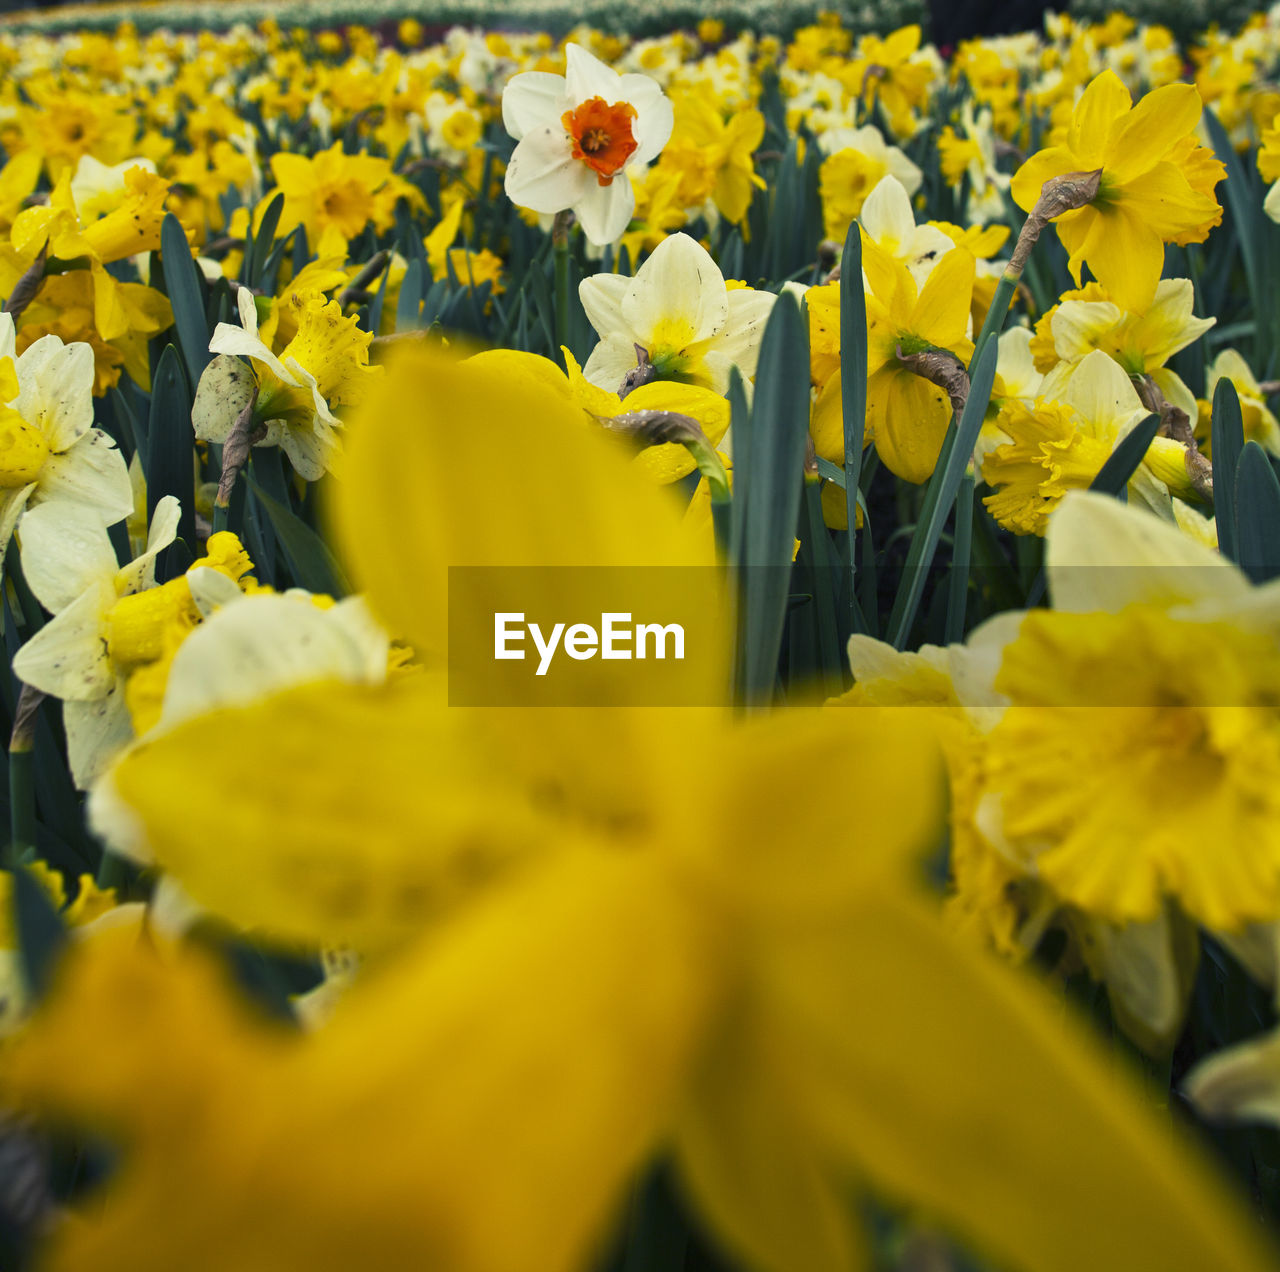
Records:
x=1142, y=758
x=461, y=130
x=668, y=350
x=1050, y=454
x=23, y=450
x=136, y=624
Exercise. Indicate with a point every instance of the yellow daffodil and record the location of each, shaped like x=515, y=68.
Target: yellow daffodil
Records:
x=712, y=157
x=1156, y=186
x=666, y=462
x=335, y=195
x=907, y=415
x=325, y=365
x=1260, y=424
x=857, y=160
x=1141, y=343
x=628, y=965
x=1061, y=441
x=50, y=453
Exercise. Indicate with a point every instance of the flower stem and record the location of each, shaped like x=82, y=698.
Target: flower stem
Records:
x=560, y=247
x=235, y=454
x=22, y=794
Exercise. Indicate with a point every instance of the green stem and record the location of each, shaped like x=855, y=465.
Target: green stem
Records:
x=560, y=248
x=22, y=792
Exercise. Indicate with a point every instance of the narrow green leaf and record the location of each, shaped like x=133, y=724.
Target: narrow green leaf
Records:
x=1113, y=477
x=187, y=296
x=170, y=439
x=255, y=275
x=958, y=581
x=1227, y=435
x=941, y=493
x=774, y=466
x=853, y=381
x=41, y=935
x=312, y=564
x=409, y=302
x=740, y=431
x=1257, y=514
x=824, y=596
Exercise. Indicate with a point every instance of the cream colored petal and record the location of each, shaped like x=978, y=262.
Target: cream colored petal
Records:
x=1016, y=367
x=887, y=216
x=604, y=211
x=140, y=573
x=586, y=76
x=225, y=389
x=211, y=590
x=309, y=449
x=1241, y=1084
x=256, y=647
x=1145, y=982
x=1102, y=394
x=56, y=390
x=678, y=284
x=228, y=339
x=68, y=656
x=654, y=117
x=601, y=297
x=91, y=474
x=65, y=551
x=1078, y=325
x=97, y=732
x=1102, y=554
x=531, y=99
x=609, y=362
x=543, y=175
x=740, y=341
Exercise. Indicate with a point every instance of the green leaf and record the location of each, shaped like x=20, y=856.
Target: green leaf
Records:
x=853, y=381
x=773, y=465
x=1257, y=514
x=41, y=935
x=958, y=581
x=312, y=564
x=1227, y=434
x=1113, y=477
x=409, y=303
x=254, y=270
x=187, y=296
x=1245, y=205
x=170, y=439
x=940, y=494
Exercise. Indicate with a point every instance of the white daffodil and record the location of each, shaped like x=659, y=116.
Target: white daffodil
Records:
x=245, y=649
x=106, y=621
x=887, y=219
x=290, y=402
x=50, y=453
x=577, y=135
x=677, y=309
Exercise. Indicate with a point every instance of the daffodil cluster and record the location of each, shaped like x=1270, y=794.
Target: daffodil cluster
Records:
x=910, y=412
